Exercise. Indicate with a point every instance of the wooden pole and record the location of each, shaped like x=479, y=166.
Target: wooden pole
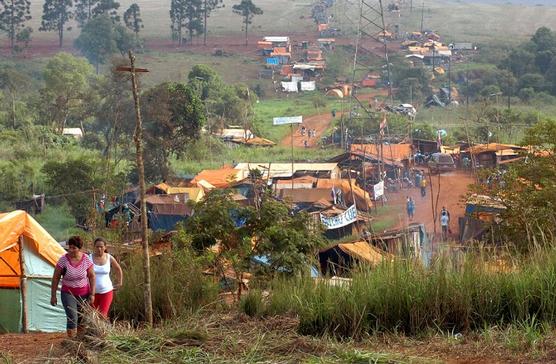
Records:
x=291, y=129
x=23, y=288
x=138, y=138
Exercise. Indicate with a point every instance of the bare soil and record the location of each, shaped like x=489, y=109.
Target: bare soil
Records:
x=33, y=347
x=450, y=189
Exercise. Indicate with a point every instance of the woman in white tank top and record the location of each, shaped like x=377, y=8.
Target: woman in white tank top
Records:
x=103, y=264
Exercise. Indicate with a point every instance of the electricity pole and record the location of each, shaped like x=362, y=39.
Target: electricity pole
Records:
x=138, y=138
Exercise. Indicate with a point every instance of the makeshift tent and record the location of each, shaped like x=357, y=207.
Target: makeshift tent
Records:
x=28, y=255
x=339, y=258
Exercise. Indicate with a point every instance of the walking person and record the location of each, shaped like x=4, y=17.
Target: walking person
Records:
x=410, y=206
x=423, y=185
x=103, y=264
x=78, y=284
x=445, y=223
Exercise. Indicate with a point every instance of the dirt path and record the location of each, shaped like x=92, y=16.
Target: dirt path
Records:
x=453, y=186
x=319, y=123
x=31, y=348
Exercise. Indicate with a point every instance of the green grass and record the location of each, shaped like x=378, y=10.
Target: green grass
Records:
x=58, y=221
x=452, y=295
x=289, y=105
x=462, y=21
x=207, y=158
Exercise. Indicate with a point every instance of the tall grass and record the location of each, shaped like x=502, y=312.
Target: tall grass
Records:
x=178, y=286
x=404, y=296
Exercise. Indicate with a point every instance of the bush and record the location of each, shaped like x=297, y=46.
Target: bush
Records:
x=179, y=286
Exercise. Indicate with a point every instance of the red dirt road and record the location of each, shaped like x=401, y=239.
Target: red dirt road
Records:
x=453, y=187
x=320, y=123
x=32, y=348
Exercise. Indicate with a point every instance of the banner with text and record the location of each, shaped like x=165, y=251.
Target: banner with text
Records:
x=345, y=218
x=287, y=120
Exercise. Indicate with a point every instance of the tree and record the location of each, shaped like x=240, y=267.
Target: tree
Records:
x=97, y=40
x=247, y=10
x=84, y=11
x=208, y=7
x=132, y=19
x=528, y=191
x=77, y=179
x=55, y=15
x=66, y=80
x=13, y=83
x=173, y=116
x=185, y=14
x=544, y=39
x=13, y=15
x=107, y=8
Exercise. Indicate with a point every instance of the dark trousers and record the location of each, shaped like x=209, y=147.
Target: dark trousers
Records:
x=423, y=191
x=73, y=305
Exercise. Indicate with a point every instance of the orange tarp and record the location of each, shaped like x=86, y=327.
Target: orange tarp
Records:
x=13, y=226
x=362, y=198
x=394, y=152
x=286, y=70
x=219, y=178
x=322, y=27
x=280, y=50
x=366, y=252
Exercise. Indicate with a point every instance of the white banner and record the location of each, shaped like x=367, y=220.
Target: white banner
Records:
x=378, y=189
x=345, y=218
x=308, y=86
x=289, y=87
x=287, y=120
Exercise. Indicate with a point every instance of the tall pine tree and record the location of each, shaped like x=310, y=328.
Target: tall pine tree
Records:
x=107, y=7
x=13, y=15
x=186, y=14
x=55, y=15
x=84, y=11
x=132, y=19
x=247, y=10
x=208, y=7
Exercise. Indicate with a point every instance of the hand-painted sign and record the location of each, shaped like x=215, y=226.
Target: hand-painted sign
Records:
x=345, y=218
x=378, y=189
x=287, y=120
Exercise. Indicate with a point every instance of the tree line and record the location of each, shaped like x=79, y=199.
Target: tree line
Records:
x=186, y=17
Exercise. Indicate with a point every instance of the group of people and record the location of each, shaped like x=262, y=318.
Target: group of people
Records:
x=85, y=281
x=311, y=133
x=444, y=217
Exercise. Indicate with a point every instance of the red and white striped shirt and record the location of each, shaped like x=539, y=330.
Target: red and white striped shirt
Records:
x=75, y=279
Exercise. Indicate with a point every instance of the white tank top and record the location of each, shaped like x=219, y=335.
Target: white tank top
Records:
x=102, y=276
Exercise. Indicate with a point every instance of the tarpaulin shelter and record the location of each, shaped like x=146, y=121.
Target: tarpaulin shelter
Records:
x=165, y=211
x=28, y=255
x=339, y=258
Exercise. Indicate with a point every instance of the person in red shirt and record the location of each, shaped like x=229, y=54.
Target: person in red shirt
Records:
x=78, y=284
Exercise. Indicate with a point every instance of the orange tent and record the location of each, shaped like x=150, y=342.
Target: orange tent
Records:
x=28, y=255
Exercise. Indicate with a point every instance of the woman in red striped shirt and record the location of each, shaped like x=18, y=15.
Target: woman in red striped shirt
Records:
x=78, y=283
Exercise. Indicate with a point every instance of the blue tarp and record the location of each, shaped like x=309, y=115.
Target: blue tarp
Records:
x=164, y=222
x=272, y=60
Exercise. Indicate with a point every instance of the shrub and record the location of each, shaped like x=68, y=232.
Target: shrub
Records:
x=179, y=286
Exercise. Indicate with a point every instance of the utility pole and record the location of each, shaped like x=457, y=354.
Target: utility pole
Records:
x=449, y=79
x=422, y=16
x=138, y=138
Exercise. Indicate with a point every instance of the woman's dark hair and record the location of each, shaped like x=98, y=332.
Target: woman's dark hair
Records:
x=100, y=239
x=75, y=241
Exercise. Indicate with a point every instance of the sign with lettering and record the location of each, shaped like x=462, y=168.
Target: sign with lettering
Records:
x=345, y=218
x=287, y=120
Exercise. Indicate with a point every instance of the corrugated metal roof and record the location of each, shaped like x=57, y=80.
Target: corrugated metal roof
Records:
x=275, y=39
x=285, y=169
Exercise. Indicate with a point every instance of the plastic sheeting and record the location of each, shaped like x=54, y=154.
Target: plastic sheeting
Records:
x=289, y=86
x=41, y=316
x=308, y=86
x=14, y=225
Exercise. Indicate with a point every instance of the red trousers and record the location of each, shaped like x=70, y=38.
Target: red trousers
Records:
x=102, y=302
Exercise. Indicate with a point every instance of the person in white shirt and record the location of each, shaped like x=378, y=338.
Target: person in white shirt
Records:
x=103, y=263
x=445, y=223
